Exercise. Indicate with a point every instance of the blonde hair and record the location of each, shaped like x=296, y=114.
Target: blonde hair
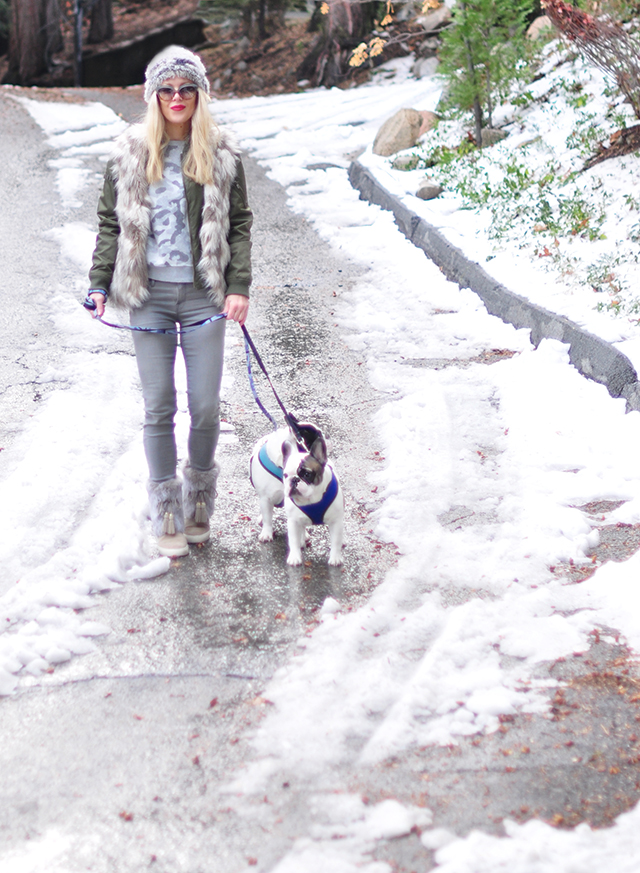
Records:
x=198, y=163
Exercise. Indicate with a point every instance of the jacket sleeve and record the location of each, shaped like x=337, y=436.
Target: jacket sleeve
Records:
x=238, y=272
x=104, y=255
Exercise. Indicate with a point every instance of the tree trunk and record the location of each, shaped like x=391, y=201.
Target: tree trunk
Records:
x=344, y=26
x=101, y=27
x=54, y=33
x=32, y=30
x=262, y=19
x=473, y=78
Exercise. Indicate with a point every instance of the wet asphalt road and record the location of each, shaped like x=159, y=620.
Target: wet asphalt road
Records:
x=124, y=752
x=30, y=208
x=131, y=742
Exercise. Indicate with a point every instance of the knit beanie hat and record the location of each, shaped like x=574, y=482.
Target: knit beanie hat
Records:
x=174, y=61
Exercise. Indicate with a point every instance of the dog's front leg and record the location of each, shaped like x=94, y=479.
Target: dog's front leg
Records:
x=335, y=540
x=266, y=508
x=295, y=534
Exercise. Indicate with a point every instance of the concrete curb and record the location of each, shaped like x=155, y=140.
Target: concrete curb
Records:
x=592, y=356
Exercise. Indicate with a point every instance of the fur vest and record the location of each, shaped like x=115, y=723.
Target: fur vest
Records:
x=127, y=168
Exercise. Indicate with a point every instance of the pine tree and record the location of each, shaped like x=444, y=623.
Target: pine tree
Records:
x=481, y=53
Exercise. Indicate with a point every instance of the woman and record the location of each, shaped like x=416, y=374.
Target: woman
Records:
x=173, y=247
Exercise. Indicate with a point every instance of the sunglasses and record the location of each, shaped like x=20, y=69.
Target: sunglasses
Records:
x=186, y=92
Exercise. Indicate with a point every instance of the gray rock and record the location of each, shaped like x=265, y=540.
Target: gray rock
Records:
x=424, y=67
x=399, y=132
x=241, y=66
x=435, y=20
x=490, y=136
x=428, y=47
x=405, y=162
x=428, y=189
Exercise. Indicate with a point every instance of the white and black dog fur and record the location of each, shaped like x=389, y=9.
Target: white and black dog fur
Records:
x=285, y=473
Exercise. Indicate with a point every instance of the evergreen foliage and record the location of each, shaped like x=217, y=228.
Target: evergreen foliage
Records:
x=483, y=53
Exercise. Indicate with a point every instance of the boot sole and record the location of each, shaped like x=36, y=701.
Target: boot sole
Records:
x=198, y=537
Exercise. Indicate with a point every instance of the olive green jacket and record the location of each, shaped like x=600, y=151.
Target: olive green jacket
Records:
x=219, y=225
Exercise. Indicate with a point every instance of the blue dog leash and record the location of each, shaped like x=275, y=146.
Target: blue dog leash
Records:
x=249, y=346
x=290, y=419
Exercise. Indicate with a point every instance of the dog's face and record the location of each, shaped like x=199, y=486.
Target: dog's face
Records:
x=303, y=472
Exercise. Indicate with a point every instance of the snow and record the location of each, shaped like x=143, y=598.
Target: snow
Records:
x=484, y=471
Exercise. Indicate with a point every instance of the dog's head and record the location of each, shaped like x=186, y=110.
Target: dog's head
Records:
x=303, y=472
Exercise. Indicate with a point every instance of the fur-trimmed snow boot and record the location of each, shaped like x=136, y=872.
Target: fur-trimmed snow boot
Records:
x=167, y=517
x=199, y=496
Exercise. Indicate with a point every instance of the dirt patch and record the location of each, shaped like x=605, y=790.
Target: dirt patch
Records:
x=618, y=542
x=240, y=68
x=579, y=763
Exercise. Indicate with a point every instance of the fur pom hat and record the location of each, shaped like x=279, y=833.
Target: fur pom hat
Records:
x=170, y=62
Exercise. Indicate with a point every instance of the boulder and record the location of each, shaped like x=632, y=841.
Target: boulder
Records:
x=538, y=26
x=428, y=189
x=405, y=162
x=435, y=20
x=424, y=67
x=490, y=136
x=399, y=132
x=428, y=47
x=429, y=121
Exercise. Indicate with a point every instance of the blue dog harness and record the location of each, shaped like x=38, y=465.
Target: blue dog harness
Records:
x=316, y=511
x=270, y=467
x=268, y=464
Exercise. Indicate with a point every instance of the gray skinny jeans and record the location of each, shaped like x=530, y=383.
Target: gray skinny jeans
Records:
x=203, y=350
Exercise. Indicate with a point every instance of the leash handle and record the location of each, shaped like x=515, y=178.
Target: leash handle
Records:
x=166, y=330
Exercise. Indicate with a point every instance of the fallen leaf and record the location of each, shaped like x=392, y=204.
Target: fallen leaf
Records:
x=126, y=816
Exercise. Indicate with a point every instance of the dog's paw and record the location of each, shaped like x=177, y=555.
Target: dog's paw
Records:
x=265, y=536
x=335, y=561
x=294, y=560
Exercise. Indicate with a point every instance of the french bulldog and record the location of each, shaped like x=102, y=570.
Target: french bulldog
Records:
x=286, y=473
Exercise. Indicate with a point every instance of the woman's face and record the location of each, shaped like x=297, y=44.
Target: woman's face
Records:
x=178, y=111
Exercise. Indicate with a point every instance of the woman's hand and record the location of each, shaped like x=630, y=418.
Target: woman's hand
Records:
x=236, y=308
x=99, y=300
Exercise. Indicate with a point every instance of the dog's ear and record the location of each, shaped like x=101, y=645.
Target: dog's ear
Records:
x=319, y=451
x=286, y=451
